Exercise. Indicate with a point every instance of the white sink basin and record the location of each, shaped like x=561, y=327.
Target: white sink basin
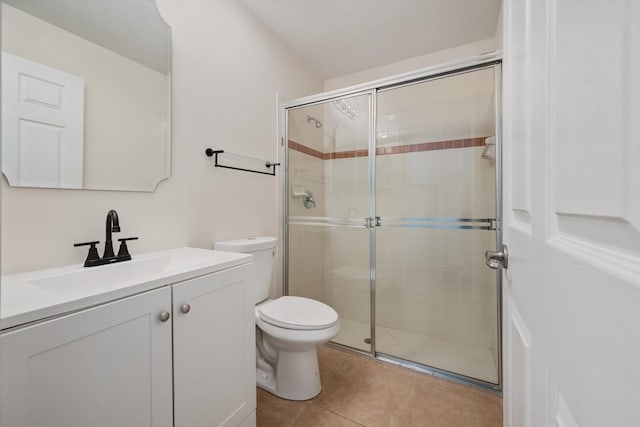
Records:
x=28, y=297
x=115, y=275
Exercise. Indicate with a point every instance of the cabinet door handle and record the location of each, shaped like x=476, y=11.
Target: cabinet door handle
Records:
x=185, y=308
x=164, y=316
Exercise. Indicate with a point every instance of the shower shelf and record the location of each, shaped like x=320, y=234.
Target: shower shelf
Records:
x=238, y=162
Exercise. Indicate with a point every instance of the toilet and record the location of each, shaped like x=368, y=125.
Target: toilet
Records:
x=288, y=329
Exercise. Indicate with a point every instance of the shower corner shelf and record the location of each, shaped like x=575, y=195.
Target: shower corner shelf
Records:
x=238, y=162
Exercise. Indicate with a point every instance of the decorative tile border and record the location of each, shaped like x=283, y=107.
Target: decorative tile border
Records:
x=306, y=150
x=396, y=149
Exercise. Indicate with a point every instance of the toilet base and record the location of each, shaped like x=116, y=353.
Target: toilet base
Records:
x=297, y=376
x=266, y=380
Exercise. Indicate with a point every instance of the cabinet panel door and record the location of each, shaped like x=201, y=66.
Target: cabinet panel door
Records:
x=105, y=366
x=214, y=349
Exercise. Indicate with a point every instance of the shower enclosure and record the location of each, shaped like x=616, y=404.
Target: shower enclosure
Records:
x=392, y=198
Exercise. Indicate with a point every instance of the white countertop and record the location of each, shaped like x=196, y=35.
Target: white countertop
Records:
x=36, y=295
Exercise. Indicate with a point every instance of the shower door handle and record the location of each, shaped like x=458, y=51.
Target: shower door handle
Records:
x=497, y=259
x=373, y=222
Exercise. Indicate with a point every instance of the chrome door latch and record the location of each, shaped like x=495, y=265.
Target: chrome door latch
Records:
x=497, y=259
x=372, y=222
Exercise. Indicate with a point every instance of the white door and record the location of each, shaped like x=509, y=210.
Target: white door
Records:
x=572, y=212
x=214, y=349
x=106, y=366
x=42, y=124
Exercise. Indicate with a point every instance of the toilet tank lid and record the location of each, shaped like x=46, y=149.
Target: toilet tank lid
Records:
x=248, y=244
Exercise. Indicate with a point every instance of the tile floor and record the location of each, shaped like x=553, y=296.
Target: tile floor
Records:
x=358, y=391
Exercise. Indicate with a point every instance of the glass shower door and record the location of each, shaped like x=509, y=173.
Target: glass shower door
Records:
x=328, y=205
x=435, y=299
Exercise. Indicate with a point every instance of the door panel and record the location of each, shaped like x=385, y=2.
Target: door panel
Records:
x=436, y=300
x=573, y=285
x=328, y=240
x=105, y=366
x=214, y=358
x=43, y=124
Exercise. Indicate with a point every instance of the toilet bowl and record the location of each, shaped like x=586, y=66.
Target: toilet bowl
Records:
x=288, y=329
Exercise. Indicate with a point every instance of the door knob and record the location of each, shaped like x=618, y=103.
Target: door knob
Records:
x=497, y=259
x=185, y=308
x=164, y=316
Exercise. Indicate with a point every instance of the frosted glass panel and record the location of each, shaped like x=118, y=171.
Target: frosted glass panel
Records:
x=331, y=264
x=328, y=180
x=434, y=186
x=436, y=301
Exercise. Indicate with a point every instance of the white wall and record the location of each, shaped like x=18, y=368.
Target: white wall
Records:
x=448, y=55
x=227, y=69
x=499, y=37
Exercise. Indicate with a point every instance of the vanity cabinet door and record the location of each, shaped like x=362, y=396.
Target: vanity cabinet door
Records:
x=105, y=366
x=214, y=349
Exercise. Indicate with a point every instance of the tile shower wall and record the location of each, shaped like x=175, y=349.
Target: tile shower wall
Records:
x=306, y=173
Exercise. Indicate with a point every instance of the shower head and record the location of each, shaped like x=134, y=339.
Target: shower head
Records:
x=317, y=122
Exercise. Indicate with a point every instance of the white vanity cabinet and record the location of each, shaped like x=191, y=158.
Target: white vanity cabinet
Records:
x=214, y=360
x=180, y=355
x=105, y=366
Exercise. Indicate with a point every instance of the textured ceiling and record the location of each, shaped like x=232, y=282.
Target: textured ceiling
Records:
x=131, y=28
x=338, y=37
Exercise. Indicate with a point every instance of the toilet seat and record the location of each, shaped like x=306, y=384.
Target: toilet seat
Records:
x=298, y=313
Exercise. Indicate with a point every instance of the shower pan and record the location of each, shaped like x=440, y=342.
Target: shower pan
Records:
x=407, y=200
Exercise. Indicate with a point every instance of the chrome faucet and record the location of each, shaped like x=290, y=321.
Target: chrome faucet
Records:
x=112, y=226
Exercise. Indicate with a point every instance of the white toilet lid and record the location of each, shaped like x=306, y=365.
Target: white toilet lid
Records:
x=298, y=313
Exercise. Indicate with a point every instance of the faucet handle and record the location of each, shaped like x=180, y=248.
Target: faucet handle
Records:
x=75, y=245
x=92, y=256
x=123, y=252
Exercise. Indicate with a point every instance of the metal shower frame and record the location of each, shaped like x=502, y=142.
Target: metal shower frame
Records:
x=489, y=60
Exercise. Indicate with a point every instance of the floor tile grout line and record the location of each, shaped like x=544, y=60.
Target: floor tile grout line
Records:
x=341, y=416
x=407, y=387
x=300, y=415
x=412, y=385
x=327, y=410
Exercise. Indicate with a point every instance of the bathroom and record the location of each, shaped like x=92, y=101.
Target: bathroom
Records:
x=230, y=76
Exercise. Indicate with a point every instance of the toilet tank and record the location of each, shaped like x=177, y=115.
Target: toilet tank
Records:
x=263, y=250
